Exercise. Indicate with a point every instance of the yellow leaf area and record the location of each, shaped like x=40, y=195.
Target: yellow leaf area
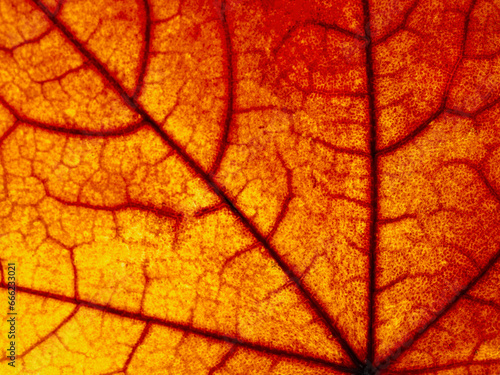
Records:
x=249, y=187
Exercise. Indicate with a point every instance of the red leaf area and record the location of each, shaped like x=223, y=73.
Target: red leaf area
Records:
x=251, y=187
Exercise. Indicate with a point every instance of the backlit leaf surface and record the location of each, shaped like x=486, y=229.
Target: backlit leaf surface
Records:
x=251, y=187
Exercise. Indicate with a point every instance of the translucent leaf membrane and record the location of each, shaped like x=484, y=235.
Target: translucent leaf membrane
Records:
x=251, y=187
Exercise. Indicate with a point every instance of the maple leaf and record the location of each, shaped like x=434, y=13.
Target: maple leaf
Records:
x=250, y=187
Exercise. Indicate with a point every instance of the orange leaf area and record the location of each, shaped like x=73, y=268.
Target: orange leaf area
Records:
x=250, y=187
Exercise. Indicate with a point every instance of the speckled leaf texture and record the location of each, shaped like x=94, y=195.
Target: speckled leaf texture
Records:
x=243, y=187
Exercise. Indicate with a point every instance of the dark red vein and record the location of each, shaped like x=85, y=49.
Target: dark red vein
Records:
x=401, y=25
x=130, y=129
x=145, y=50
x=452, y=302
x=51, y=333
x=482, y=177
x=482, y=302
x=341, y=150
x=161, y=212
x=406, y=345
x=332, y=26
x=396, y=219
x=425, y=125
x=223, y=360
x=8, y=132
x=138, y=343
x=412, y=135
x=374, y=199
x=59, y=6
x=180, y=327
x=198, y=170
x=228, y=116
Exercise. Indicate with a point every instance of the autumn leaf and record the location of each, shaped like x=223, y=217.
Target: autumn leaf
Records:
x=250, y=187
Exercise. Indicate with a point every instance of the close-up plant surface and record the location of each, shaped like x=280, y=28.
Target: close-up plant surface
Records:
x=250, y=187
